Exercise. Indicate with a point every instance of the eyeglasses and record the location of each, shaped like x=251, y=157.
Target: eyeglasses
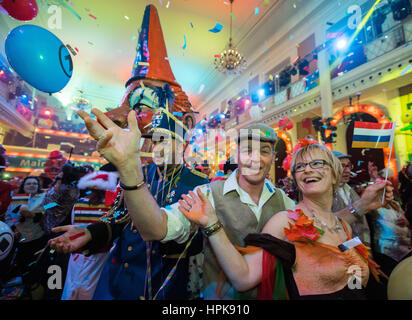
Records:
x=314, y=164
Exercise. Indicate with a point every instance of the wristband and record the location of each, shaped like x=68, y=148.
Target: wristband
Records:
x=136, y=187
x=354, y=211
x=208, y=231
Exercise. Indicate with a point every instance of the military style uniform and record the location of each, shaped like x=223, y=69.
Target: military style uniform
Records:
x=125, y=274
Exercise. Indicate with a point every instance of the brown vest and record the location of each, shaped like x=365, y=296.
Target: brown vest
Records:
x=238, y=221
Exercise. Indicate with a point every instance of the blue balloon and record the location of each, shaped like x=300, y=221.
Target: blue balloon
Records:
x=39, y=57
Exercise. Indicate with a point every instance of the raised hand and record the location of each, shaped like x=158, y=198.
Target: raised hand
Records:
x=116, y=145
x=198, y=209
x=25, y=212
x=372, y=196
x=73, y=239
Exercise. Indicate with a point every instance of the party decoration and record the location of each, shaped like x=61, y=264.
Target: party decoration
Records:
x=285, y=124
x=217, y=28
x=400, y=281
x=152, y=83
x=23, y=10
x=39, y=57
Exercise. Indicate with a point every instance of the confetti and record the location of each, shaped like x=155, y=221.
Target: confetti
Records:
x=126, y=17
x=406, y=70
x=90, y=15
x=217, y=56
x=76, y=49
x=76, y=257
x=71, y=50
x=191, y=24
x=64, y=4
x=50, y=205
x=233, y=16
x=88, y=192
x=270, y=77
x=179, y=114
x=144, y=64
x=133, y=38
x=184, y=46
x=201, y=88
x=256, y=11
x=161, y=2
x=77, y=236
x=167, y=6
x=217, y=28
x=52, y=251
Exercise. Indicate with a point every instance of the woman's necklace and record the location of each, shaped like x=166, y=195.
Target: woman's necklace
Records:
x=335, y=228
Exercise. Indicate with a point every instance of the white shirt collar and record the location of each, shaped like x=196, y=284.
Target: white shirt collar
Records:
x=231, y=184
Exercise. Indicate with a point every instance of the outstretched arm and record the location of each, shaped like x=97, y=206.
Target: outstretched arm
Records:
x=370, y=200
x=244, y=272
x=121, y=148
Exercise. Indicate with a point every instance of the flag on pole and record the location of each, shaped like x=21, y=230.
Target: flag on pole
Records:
x=373, y=135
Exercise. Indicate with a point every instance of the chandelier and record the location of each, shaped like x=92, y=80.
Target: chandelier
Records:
x=230, y=61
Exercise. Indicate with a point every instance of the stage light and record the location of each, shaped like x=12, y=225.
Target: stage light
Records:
x=261, y=92
x=247, y=102
x=341, y=43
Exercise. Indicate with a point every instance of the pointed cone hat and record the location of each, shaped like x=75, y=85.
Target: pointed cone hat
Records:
x=151, y=57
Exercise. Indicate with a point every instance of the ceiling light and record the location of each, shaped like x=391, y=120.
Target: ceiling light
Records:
x=230, y=61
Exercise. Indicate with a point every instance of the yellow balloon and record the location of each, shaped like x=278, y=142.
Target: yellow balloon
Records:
x=400, y=281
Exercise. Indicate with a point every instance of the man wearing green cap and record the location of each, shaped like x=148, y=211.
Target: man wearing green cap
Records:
x=244, y=202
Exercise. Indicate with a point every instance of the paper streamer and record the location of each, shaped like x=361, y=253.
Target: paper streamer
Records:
x=217, y=28
x=64, y=4
x=406, y=70
x=50, y=205
x=184, y=46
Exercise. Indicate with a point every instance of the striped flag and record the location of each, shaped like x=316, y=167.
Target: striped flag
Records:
x=372, y=135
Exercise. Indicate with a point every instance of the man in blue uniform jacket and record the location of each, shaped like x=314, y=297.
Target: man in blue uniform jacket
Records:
x=137, y=269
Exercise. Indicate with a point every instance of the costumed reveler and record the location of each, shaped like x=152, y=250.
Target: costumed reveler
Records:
x=137, y=269
x=83, y=272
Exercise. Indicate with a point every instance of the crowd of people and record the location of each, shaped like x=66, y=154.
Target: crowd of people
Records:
x=167, y=231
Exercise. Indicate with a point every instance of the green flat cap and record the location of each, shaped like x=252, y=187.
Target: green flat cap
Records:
x=259, y=131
